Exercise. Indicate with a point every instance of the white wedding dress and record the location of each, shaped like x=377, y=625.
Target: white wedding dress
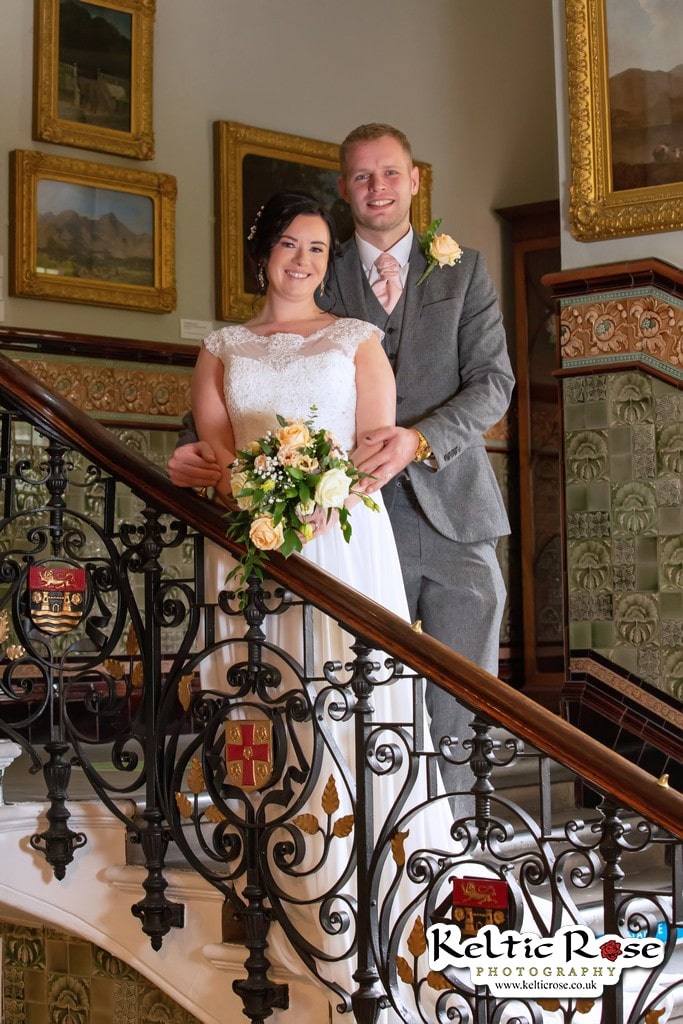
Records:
x=289, y=375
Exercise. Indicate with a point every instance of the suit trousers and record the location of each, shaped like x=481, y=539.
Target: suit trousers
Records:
x=458, y=593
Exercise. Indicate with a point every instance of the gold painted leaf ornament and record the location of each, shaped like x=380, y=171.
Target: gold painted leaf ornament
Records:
x=438, y=982
x=330, y=801
x=184, y=691
x=398, y=847
x=404, y=970
x=195, y=778
x=308, y=823
x=417, y=940
x=343, y=827
x=184, y=805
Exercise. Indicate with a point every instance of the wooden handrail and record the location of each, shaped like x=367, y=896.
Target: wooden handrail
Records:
x=607, y=771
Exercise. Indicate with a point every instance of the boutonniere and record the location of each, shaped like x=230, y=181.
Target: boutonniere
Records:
x=439, y=250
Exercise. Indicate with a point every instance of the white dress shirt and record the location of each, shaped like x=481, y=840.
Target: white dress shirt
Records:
x=400, y=251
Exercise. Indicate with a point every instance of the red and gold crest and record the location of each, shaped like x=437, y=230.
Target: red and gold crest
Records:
x=56, y=597
x=249, y=753
x=479, y=901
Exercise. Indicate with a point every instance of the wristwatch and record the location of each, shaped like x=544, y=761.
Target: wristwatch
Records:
x=424, y=449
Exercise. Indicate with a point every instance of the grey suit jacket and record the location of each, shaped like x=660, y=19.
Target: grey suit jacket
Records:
x=453, y=382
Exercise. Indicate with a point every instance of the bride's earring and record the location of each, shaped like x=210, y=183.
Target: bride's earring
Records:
x=322, y=288
x=261, y=278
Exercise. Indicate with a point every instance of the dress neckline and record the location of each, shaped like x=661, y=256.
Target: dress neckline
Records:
x=288, y=334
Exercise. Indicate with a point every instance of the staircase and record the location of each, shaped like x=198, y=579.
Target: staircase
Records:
x=199, y=962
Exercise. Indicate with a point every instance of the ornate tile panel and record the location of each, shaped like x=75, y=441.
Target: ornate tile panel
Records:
x=54, y=977
x=623, y=452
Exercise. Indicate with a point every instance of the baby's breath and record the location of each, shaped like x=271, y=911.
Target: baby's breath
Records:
x=279, y=482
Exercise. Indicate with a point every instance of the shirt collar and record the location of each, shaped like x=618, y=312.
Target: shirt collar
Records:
x=401, y=251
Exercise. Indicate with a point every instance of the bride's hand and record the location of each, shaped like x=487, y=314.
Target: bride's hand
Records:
x=320, y=522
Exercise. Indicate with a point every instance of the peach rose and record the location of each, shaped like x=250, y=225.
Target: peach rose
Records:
x=291, y=456
x=445, y=251
x=293, y=435
x=265, y=535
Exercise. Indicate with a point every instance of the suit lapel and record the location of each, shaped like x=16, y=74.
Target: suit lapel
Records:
x=349, y=273
x=414, y=299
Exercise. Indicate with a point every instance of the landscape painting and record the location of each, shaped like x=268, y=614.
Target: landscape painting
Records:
x=645, y=67
x=95, y=64
x=87, y=232
x=101, y=233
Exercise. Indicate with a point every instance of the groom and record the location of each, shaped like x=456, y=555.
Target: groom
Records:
x=445, y=340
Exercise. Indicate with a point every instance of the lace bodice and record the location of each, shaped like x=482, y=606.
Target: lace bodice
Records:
x=288, y=374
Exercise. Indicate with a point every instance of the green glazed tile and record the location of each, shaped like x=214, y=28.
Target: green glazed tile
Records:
x=646, y=549
x=56, y=955
x=602, y=635
x=574, y=417
x=626, y=657
x=647, y=577
x=621, y=467
x=576, y=498
x=670, y=521
x=35, y=986
x=37, y=1014
x=620, y=440
x=598, y=496
x=671, y=605
x=579, y=635
x=80, y=959
x=596, y=415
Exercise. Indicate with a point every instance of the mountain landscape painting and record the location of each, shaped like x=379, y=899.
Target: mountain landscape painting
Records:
x=645, y=51
x=99, y=233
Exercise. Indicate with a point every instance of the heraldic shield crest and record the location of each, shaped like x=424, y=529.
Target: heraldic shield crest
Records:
x=56, y=597
x=249, y=753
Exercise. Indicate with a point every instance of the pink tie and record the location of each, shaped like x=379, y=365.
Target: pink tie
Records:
x=388, y=288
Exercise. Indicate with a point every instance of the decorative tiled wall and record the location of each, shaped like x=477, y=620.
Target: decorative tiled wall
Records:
x=623, y=464
x=49, y=977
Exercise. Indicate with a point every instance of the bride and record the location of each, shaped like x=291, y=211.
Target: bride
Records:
x=292, y=357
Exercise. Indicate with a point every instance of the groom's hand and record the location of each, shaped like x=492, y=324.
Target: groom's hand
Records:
x=383, y=453
x=194, y=465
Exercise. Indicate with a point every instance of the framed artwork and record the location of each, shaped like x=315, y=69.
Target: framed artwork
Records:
x=92, y=70
x=249, y=165
x=625, y=81
x=86, y=232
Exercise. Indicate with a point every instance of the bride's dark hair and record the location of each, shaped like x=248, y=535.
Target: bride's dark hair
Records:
x=273, y=219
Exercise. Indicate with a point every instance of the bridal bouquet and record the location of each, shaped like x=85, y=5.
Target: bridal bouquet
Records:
x=280, y=481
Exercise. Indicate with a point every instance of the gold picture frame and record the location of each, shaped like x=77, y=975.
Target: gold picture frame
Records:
x=619, y=184
x=92, y=70
x=250, y=164
x=90, y=233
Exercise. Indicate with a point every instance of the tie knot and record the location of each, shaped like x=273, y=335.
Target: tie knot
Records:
x=387, y=265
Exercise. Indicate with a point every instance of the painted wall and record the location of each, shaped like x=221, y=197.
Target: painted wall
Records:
x=471, y=83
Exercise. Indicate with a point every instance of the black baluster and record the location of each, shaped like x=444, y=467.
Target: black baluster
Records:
x=58, y=842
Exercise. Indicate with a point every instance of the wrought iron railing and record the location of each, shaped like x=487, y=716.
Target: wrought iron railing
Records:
x=322, y=821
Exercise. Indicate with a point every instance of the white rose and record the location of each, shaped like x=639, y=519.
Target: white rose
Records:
x=332, y=489
x=445, y=251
